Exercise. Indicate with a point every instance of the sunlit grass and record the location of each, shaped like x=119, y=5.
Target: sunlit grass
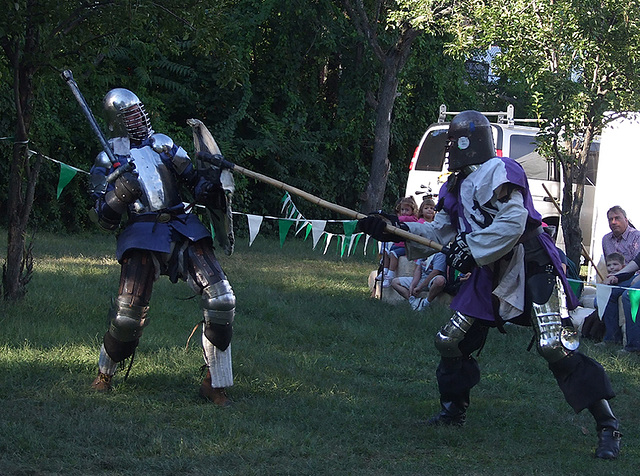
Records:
x=327, y=380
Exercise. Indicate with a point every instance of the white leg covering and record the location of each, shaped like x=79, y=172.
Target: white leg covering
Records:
x=105, y=364
x=219, y=363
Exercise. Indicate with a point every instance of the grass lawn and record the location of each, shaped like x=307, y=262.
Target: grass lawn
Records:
x=328, y=381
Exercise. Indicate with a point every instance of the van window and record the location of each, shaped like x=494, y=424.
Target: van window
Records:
x=522, y=149
x=431, y=156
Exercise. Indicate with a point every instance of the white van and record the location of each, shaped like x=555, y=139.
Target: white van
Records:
x=428, y=170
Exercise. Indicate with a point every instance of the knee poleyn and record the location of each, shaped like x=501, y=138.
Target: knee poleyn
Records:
x=451, y=334
x=127, y=321
x=219, y=303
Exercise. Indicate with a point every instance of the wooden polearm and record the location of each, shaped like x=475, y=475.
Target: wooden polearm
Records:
x=221, y=162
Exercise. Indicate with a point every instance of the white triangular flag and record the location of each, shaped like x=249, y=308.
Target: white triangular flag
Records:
x=317, y=230
x=329, y=236
x=603, y=291
x=255, y=221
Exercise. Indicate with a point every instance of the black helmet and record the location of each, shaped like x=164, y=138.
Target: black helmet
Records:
x=470, y=140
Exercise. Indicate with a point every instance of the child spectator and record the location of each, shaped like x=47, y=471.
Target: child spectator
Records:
x=429, y=277
x=593, y=328
x=427, y=211
x=407, y=211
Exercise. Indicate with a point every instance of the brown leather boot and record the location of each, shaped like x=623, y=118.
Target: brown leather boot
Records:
x=216, y=395
x=102, y=383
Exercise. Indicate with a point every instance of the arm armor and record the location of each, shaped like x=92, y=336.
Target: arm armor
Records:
x=179, y=158
x=126, y=190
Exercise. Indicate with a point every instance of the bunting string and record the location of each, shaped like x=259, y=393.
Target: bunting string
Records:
x=346, y=242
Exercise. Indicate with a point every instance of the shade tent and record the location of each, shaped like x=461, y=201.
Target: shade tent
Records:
x=618, y=178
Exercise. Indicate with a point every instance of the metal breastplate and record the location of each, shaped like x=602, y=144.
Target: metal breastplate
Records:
x=159, y=184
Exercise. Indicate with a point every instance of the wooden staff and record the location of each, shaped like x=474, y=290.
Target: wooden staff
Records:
x=585, y=253
x=334, y=207
x=208, y=150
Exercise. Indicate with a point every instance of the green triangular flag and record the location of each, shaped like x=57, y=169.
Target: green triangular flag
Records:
x=634, y=297
x=355, y=243
x=283, y=226
x=576, y=286
x=349, y=227
x=308, y=230
x=66, y=174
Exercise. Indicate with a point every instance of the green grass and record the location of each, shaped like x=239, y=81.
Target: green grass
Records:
x=328, y=381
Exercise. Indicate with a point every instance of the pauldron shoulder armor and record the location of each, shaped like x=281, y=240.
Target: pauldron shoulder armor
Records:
x=102, y=160
x=161, y=143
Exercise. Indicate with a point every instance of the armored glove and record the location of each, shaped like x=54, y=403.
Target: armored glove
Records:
x=459, y=255
x=203, y=190
x=374, y=224
x=126, y=190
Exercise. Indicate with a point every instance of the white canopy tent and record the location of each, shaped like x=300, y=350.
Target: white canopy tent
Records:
x=618, y=178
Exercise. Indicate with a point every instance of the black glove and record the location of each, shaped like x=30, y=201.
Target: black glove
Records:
x=216, y=159
x=459, y=255
x=204, y=190
x=374, y=224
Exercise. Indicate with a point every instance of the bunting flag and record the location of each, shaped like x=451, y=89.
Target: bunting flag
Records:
x=317, y=230
x=67, y=172
x=349, y=227
x=255, y=222
x=66, y=175
x=634, y=298
x=346, y=243
x=603, y=291
x=328, y=240
x=283, y=227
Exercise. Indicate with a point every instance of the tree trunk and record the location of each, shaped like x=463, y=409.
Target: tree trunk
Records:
x=393, y=63
x=22, y=174
x=574, y=176
x=380, y=164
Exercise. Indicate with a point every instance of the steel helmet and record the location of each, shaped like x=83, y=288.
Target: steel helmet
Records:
x=126, y=115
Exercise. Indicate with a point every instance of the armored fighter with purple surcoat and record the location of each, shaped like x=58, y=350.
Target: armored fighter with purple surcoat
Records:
x=489, y=227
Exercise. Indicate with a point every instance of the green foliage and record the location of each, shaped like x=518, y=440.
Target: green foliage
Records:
x=278, y=100
x=573, y=60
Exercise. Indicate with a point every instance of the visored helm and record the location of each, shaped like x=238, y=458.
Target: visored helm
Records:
x=470, y=140
x=126, y=115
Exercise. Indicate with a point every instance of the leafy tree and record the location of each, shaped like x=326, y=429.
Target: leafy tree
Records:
x=389, y=29
x=578, y=59
x=38, y=40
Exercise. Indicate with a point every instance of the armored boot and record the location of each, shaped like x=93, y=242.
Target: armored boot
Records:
x=453, y=411
x=607, y=428
x=216, y=395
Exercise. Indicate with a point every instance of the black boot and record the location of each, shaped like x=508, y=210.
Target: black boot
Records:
x=450, y=415
x=607, y=428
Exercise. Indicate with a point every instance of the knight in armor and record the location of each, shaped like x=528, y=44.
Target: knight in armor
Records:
x=488, y=226
x=159, y=237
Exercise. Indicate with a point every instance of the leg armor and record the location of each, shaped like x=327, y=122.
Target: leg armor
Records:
x=128, y=314
x=451, y=334
x=218, y=305
x=582, y=380
x=457, y=371
x=556, y=338
x=217, y=299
